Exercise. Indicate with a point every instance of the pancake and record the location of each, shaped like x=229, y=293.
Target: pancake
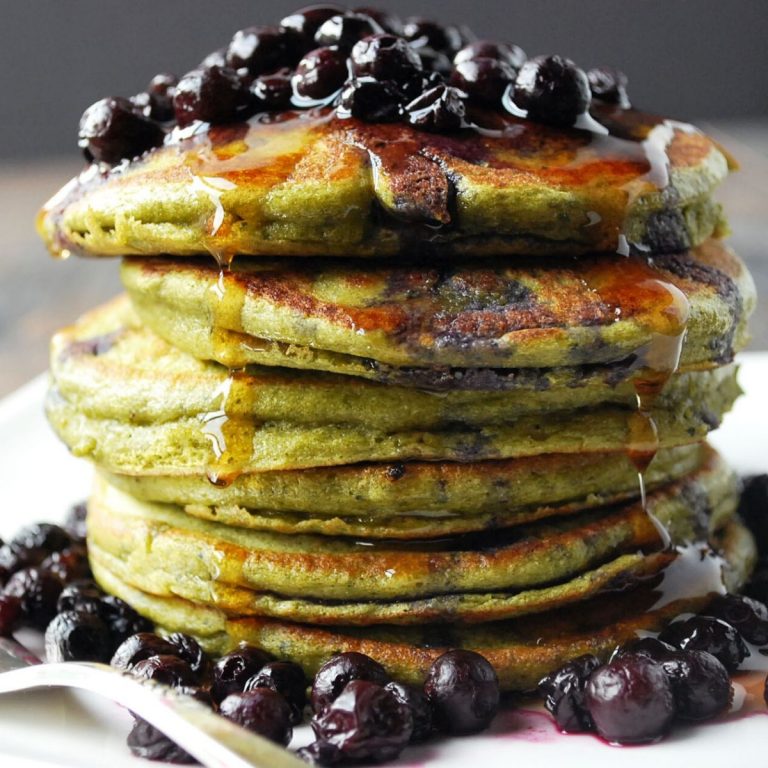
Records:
x=312, y=184
x=224, y=447
x=445, y=327
x=109, y=366
x=522, y=650
x=326, y=579
x=418, y=499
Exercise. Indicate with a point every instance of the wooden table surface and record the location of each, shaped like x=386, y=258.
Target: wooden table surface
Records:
x=39, y=294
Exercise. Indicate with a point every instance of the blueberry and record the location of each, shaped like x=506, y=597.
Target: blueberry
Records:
x=74, y=521
x=139, y=647
x=346, y=29
x=82, y=596
x=146, y=742
x=213, y=95
x=122, y=620
x=435, y=61
x=429, y=34
x=651, y=647
x=389, y=22
x=385, y=57
x=189, y=650
x=700, y=684
x=262, y=711
x=333, y=676
x=463, y=688
x=306, y=21
x=630, y=700
x=704, y=633
x=167, y=670
x=232, y=671
x=483, y=80
x=421, y=709
x=38, y=591
x=552, y=89
x=157, y=101
x=43, y=536
x=261, y=50
x=563, y=692
x=287, y=679
x=69, y=564
x=10, y=615
x=320, y=74
x=747, y=616
x=216, y=58
x=272, y=92
x=111, y=131
x=73, y=636
x=608, y=85
x=14, y=557
x=365, y=722
x=373, y=101
x=512, y=55
x=440, y=109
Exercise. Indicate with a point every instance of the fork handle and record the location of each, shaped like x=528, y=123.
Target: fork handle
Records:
x=213, y=740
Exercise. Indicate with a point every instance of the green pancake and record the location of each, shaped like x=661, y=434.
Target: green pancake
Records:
x=160, y=549
x=312, y=184
x=594, y=320
x=521, y=650
x=417, y=499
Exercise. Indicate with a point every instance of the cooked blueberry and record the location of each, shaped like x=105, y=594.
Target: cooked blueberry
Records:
x=262, y=711
x=424, y=33
x=122, y=620
x=441, y=110
x=512, y=55
x=385, y=57
x=333, y=676
x=261, y=50
x=346, y=29
x=421, y=710
x=10, y=615
x=73, y=636
x=157, y=101
x=214, y=59
x=80, y=596
x=306, y=21
x=651, y=647
x=749, y=617
x=14, y=557
x=272, y=92
x=38, y=591
x=69, y=564
x=146, y=742
x=700, y=684
x=753, y=509
x=552, y=89
x=365, y=722
x=168, y=670
x=704, y=633
x=435, y=61
x=373, y=101
x=630, y=700
x=320, y=74
x=139, y=647
x=463, y=688
x=563, y=692
x=287, y=679
x=232, y=671
x=424, y=81
x=111, y=131
x=214, y=95
x=483, y=80
x=189, y=650
x=608, y=85
x=45, y=536
x=74, y=522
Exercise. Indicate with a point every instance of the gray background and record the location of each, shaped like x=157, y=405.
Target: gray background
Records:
x=685, y=58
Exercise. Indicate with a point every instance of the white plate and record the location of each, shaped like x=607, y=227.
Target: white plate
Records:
x=40, y=480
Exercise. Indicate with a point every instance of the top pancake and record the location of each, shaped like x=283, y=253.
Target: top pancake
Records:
x=312, y=184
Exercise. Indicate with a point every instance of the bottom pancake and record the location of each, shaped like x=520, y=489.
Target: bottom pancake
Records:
x=521, y=650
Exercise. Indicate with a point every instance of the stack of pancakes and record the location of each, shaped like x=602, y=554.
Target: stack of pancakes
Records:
x=418, y=400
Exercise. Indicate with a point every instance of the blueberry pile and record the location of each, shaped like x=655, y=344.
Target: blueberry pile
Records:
x=364, y=63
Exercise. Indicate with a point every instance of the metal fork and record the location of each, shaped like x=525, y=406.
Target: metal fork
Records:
x=211, y=739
